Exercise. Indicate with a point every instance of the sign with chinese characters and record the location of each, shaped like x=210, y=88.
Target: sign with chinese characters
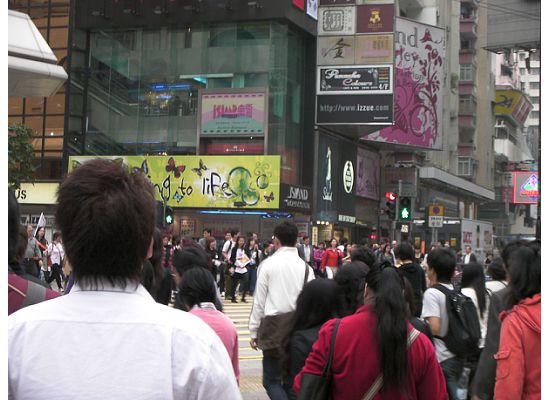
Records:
x=371, y=49
x=356, y=109
x=375, y=18
x=336, y=21
x=526, y=187
x=361, y=79
x=244, y=182
x=419, y=74
x=312, y=8
x=335, y=50
x=368, y=174
x=233, y=112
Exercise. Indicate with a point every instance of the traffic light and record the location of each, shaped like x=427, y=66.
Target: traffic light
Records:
x=168, y=216
x=405, y=212
x=390, y=204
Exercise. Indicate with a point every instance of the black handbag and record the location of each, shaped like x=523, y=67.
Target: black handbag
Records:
x=319, y=387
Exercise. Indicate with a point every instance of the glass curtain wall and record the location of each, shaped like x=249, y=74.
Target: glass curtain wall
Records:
x=140, y=86
x=45, y=116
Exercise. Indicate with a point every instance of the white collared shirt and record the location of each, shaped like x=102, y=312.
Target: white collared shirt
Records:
x=307, y=253
x=116, y=344
x=283, y=273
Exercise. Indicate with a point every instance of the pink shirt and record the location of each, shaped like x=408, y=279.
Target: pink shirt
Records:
x=224, y=328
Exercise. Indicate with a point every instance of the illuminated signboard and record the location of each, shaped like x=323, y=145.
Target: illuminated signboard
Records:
x=526, y=187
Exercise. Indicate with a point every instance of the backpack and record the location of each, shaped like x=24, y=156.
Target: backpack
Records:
x=464, y=332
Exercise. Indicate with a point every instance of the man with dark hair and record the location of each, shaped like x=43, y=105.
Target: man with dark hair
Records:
x=280, y=281
x=468, y=257
x=409, y=269
x=205, y=235
x=305, y=251
x=112, y=327
x=22, y=292
x=441, y=265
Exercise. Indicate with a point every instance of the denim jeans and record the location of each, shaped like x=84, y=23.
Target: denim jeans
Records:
x=252, y=276
x=452, y=369
x=272, y=379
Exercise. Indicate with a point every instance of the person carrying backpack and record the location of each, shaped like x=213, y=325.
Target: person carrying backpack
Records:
x=452, y=317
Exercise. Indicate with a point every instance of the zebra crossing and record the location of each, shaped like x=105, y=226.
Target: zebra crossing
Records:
x=250, y=361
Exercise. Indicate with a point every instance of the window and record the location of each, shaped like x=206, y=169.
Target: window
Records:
x=534, y=115
x=467, y=45
x=522, y=71
x=464, y=166
x=535, y=71
x=466, y=72
x=535, y=100
x=534, y=85
x=522, y=56
x=523, y=87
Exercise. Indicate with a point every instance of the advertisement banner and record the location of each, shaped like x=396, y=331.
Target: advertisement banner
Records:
x=335, y=50
x=233, y=111
x=526, y=187
x=360, y=79
x=374, y=49
x=419, y=75
x=355, y=110
x=347, y=183
x=336, y=21
x=336, y=2
x=368, y=174
x=312, y=8
x=327, y=179
x=244, y=182
x=375, y=18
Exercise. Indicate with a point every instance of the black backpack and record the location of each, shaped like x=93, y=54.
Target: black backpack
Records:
x=464, y=331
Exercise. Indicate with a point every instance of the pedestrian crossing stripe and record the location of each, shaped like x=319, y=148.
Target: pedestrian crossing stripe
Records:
x=251, y=358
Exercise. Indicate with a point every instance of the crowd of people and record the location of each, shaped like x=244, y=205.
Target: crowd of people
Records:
x=379, y=321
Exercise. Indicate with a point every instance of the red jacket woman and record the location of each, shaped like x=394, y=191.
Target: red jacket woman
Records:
x=332, y=256
x=518, y=358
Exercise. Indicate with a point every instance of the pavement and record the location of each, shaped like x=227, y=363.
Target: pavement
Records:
x=250, y=361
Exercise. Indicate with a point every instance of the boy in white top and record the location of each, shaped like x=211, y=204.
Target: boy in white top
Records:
x=441, y=264
x=117, y=342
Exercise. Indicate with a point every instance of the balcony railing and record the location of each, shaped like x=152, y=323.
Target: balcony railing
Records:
x=468, y=28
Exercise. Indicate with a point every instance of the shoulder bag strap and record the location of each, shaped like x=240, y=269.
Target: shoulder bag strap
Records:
x=328, y=365
x=306, y=274
x=377, y=385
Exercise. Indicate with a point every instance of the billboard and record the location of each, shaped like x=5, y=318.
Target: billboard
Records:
x=233, y=112
x=312, y=8
x=356, y=79
x=512, y=103
x=375, y=18
x=371, y=49
x=419, y=74
x=335, y=50
x=244, y=182
x=360, y=109
x=336, y=21
x=526, y=187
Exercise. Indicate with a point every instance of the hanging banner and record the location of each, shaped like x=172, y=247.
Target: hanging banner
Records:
x=360, y=79
x=371, y=49
x=300, y=4
x=245, y=182
x=419, y=75
x=335, y=50
x=233, y=111
x=526, y=187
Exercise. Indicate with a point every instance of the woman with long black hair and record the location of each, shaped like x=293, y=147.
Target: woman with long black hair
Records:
x=376, y=349
x=472, y=284
x=240, y=258
x=316, y=304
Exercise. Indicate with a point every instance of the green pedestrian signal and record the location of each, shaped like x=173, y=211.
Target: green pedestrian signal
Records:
x=168, y=216
x=405, y=212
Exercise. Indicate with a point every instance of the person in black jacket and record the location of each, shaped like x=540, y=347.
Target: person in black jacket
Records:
x=316, y=304
x=410, y=270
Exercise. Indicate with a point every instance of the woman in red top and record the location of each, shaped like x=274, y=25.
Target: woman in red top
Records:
x=332, y=257
x=372, y=343
x=518, y=357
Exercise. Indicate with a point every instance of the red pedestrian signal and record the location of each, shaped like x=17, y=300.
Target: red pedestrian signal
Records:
x=391, y=196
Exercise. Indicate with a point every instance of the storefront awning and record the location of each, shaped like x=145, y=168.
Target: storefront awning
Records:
x=32, y=66
x=455, y=183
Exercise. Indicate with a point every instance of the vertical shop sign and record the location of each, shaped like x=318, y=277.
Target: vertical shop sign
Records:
x=335, y=50
x=368, y=174
x=336, y=21
x=371, y=49
x=312, y=8
x=375, y=18
x=419, y=75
